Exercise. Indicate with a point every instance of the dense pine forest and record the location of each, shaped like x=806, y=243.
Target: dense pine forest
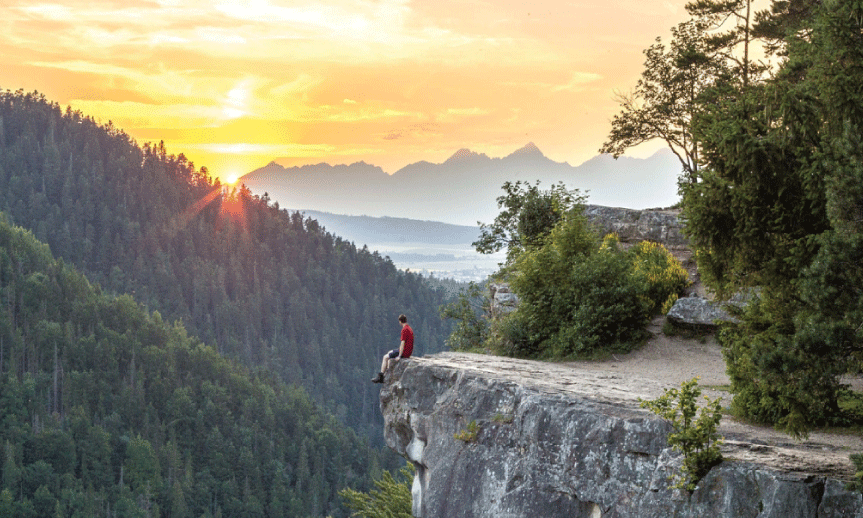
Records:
x=256, y=283
x=108, y=410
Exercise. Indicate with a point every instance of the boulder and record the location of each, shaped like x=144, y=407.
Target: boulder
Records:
x=698, y=312
x=502, y=300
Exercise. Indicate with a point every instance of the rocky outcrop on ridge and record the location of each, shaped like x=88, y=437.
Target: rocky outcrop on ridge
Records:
x=556, y=441
x=661, y=226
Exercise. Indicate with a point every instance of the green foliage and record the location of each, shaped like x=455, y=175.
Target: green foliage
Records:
x=469, y=310
x=778, y=205
x=668, y=96
x=528, y=215
x=578, y=297
x=695, y=436
x=103, y=405
x=391, y=499
x=857, y=483
x=664, y=276
x=503, y=418
x=469, y=434
x=263, y=286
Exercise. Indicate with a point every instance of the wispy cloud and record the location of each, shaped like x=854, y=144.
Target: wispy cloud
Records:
x=402, y=79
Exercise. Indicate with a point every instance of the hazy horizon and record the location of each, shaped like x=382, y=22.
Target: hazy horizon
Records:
x=234, y=85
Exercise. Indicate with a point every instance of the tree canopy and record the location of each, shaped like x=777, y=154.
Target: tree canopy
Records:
x=777, y=205
x=258, y=284
x=107, y=410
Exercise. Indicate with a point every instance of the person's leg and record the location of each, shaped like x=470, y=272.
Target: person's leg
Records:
x=384, y=365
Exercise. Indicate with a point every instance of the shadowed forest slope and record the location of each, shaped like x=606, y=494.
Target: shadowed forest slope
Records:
x=107, y=410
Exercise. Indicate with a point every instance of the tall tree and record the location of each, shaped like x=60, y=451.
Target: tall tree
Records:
x=730, y=25
x=528, y=214
x=668, y=96
x=778, y=206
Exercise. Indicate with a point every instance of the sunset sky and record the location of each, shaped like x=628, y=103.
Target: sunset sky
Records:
x=234, y=85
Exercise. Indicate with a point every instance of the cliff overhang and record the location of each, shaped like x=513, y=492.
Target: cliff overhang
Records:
x=552, y=440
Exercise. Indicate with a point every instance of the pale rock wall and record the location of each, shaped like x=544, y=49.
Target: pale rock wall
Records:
x=554, y=441
x=661, y=226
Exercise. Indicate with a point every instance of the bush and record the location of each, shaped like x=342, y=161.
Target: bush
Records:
x=606, y=308
x=663, y=274
x=511, y=336
x=471, y=330
x=766, y=352
x=580, y=297
x=696, y=438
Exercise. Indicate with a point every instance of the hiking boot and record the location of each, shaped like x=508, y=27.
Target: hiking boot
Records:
x=379, y=378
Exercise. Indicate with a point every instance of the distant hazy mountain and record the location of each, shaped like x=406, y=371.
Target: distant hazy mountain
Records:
x=463, y=190
x=369, y=230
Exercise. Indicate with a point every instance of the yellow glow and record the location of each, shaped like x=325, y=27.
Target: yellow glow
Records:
x=235, y=84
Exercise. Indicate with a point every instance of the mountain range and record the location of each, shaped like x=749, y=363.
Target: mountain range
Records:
x=463, y=189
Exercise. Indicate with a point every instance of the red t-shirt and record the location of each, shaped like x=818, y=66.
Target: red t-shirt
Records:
x=408, y=339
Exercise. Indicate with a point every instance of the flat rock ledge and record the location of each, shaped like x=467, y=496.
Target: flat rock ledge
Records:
x=557, y=441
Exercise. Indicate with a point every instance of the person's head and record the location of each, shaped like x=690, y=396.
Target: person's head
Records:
x=403, y=319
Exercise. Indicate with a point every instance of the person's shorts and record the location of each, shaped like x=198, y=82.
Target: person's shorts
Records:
x=394, y=353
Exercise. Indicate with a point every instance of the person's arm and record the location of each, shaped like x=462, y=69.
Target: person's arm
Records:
x=401, y=349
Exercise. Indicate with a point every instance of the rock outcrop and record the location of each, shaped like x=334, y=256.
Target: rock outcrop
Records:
x=501, y=299
x=553, y=441
x=698, y=312
x=661, y=226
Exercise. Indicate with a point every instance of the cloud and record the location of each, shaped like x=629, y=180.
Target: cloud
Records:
x=423, y=129
x=575, y=84
x=454, y=114
x=576, y=81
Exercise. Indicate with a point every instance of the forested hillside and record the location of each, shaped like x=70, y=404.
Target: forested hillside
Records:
x=256, y=283
x=107, y=410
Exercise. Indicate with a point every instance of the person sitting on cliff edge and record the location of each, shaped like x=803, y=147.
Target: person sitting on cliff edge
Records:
x=404, y=351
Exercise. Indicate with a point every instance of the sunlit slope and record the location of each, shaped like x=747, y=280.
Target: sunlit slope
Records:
x=256, y=283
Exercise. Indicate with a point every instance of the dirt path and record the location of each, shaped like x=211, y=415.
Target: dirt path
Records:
x=671, y=360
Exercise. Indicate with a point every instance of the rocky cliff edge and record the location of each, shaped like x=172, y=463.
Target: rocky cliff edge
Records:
x=551, y=440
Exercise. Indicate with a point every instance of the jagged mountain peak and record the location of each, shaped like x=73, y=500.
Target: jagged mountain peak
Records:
x=464, y=154
x=529, y=150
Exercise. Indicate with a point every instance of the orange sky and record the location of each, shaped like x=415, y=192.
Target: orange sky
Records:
x=234, y=85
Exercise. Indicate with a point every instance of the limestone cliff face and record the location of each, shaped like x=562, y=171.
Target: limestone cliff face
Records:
x=553, y=441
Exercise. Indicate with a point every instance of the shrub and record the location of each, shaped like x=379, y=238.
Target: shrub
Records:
x=469, y=434
x=696, y=438
x=511, y=336
x=391, y=499
x=663, y=274
x=605, y=308
x=577, y=296
x=768, y=350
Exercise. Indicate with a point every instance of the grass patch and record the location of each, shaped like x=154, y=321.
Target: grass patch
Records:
x=503, y=418
x=469, y=434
